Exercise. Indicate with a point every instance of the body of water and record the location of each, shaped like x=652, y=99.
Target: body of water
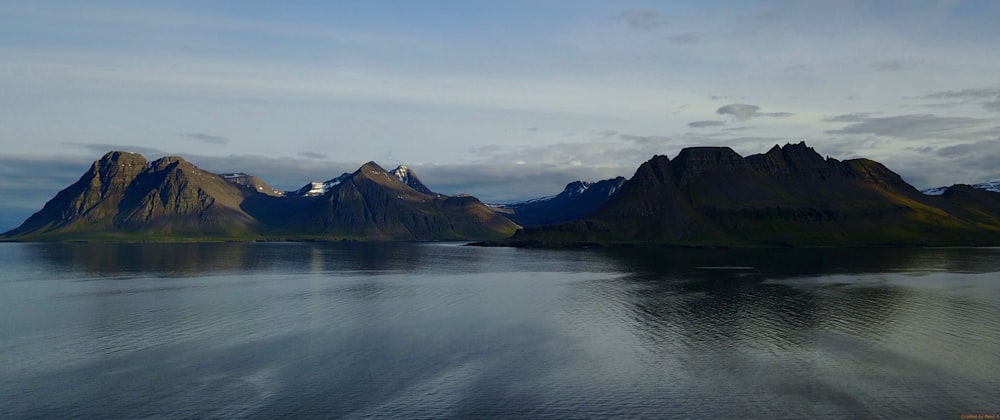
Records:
x=433, y=330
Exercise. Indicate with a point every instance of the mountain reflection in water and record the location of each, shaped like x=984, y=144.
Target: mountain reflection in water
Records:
x=440, y=330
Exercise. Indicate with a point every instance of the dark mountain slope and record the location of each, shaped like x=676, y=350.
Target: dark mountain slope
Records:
x=787, y=196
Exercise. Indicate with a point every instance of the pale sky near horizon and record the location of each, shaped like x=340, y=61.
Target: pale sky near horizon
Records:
x=504, y=100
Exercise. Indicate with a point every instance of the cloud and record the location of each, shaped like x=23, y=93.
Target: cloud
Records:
x=965, y=163
x=706, y=123
x=987, y=97
x=603, y=134
x=206, y=138
x=102, y=148
x=744, y=112
x=970, y=149
x=892, y=65
x=973, y=93
x=683, y=39
x=993, y=105
x=645, y=140
x=312, y=155
x=856, y=117
x=917, y=126
x=797, y=67
x=641, y=19
x=738, y=111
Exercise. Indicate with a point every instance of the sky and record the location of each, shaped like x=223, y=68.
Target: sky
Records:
x=505, y=100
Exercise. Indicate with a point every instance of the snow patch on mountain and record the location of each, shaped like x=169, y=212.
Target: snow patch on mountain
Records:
x=314, y=189
x=988, y=186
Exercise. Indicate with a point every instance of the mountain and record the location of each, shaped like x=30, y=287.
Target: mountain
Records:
x=578, y=200
x=404, y=174
x=373, y=203
x=987, y=186
x=789, y=196
x=125, y=197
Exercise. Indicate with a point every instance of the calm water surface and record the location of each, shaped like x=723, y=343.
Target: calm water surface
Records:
x=441, y=330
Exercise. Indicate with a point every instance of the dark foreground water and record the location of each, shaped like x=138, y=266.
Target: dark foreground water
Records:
x=440, y=330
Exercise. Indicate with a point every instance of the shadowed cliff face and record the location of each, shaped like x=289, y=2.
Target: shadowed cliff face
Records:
x=787, y=196
x=125, y=197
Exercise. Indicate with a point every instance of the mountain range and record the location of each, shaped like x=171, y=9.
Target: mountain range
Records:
x=704, y=196
x=125, y=197
x=789, y=196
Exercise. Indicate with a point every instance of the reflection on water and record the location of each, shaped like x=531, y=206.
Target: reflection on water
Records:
x=440, y=330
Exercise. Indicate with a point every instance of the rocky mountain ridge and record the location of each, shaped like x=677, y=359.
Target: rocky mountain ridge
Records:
x=125, y=197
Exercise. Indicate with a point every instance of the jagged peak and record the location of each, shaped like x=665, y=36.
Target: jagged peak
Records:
x=796, y=146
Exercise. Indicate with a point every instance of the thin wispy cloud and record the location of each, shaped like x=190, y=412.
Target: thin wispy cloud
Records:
x=684, y=39
x=893, y=65
x=99, y=149
x=706, y=123
x=917, y=127
x=971, y=93
x=642, y=19
x=313, y=155
x=742, y=112
x=848, y=118
x=987, y=97
x=207, y=138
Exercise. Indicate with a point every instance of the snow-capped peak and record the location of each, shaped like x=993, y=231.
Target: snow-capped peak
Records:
x=319, y=188
x=401, y=172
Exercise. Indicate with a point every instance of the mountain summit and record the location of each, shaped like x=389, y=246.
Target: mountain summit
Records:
x=125, y=197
